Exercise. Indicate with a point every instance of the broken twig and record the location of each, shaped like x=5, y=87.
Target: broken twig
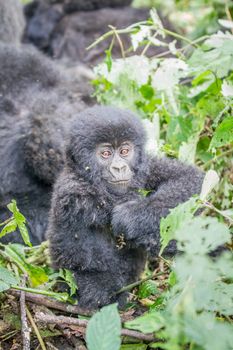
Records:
x=40, y=316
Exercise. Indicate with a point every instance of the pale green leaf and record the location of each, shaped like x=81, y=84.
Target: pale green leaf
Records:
x=104, y=329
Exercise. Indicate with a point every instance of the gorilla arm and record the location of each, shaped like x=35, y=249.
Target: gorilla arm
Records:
x=76, y=220
x=171, y=183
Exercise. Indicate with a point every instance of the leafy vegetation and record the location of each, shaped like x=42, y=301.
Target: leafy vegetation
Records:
x=185, y=98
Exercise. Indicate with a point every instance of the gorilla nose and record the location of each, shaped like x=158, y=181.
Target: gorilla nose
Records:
x=118, y=169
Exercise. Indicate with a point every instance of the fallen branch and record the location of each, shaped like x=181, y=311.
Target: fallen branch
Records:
x=52, y=303
x=25, y=331
x=40, y=316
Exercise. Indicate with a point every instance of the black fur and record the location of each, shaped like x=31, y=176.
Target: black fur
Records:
x=36, y=105
x=65, y=29
x=86, y=218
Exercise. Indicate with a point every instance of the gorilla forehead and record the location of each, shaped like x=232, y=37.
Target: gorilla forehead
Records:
x=106, y=124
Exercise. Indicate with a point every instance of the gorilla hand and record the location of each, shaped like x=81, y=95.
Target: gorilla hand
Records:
x=139, y=226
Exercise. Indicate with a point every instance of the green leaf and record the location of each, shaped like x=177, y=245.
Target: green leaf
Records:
x=36, y=274
x=20, y=221
x=200, y=235
x=175, y=220
x=70, y=280
x=108, y=59
x=147, y=288
x=7, y=279
x=4, y=286
x=148, y=323
x=104, y=329
x=223, y=134
x=9, y=227
x=215, y=56
x=7, y=276
x=147, y=91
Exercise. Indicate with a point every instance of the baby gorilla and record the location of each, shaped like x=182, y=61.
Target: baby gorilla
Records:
x=96, y=200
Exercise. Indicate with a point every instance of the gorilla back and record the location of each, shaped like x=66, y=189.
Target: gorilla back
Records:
x=36, y=104
x=100, y=227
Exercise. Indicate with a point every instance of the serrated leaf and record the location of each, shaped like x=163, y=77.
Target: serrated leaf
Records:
x=176, y=219
x=104, y=329
x=217, y=58
x=223, y=134
x=200, y=235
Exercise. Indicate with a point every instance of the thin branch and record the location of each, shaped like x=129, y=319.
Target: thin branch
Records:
x=119, y=41
x=36, y=330
x=52, y=303
x=83, y=323
x=223, y=154
x=211, y=206
x=25, y=331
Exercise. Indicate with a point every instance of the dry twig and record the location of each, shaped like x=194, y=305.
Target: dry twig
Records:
x=83, y=323
x=25, y=329
x=52, y=303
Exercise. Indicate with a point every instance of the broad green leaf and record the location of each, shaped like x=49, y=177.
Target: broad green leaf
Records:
x=104, y=329
x=216, y=56
x=223, y=134
x=200, y=235
x=148, y=323
x=36, y=274
x=3, y=286
x=177, y=217
x=7, y=276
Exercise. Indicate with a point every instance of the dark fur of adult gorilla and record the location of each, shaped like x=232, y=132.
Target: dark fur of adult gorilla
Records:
x=37, y=102
x=96, y=200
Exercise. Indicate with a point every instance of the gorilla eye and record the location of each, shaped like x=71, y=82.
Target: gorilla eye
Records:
x=124, y=152
x=106, y=154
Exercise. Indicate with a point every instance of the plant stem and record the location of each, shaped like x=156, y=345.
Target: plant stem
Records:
x=229, y=151
x=36, y=330
x=137, y=283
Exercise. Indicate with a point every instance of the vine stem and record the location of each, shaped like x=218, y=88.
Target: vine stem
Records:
x=137, y=283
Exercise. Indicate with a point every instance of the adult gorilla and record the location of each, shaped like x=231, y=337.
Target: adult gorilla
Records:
x=96, y=200
x=36, y=103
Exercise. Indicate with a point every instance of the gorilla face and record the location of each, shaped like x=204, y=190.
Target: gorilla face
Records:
x=116, y=164
x=106, y=148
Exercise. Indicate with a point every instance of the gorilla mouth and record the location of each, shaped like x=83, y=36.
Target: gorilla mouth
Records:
x=119, y=183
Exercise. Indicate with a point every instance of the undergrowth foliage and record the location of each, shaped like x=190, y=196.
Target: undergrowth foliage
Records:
x=186, y=102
